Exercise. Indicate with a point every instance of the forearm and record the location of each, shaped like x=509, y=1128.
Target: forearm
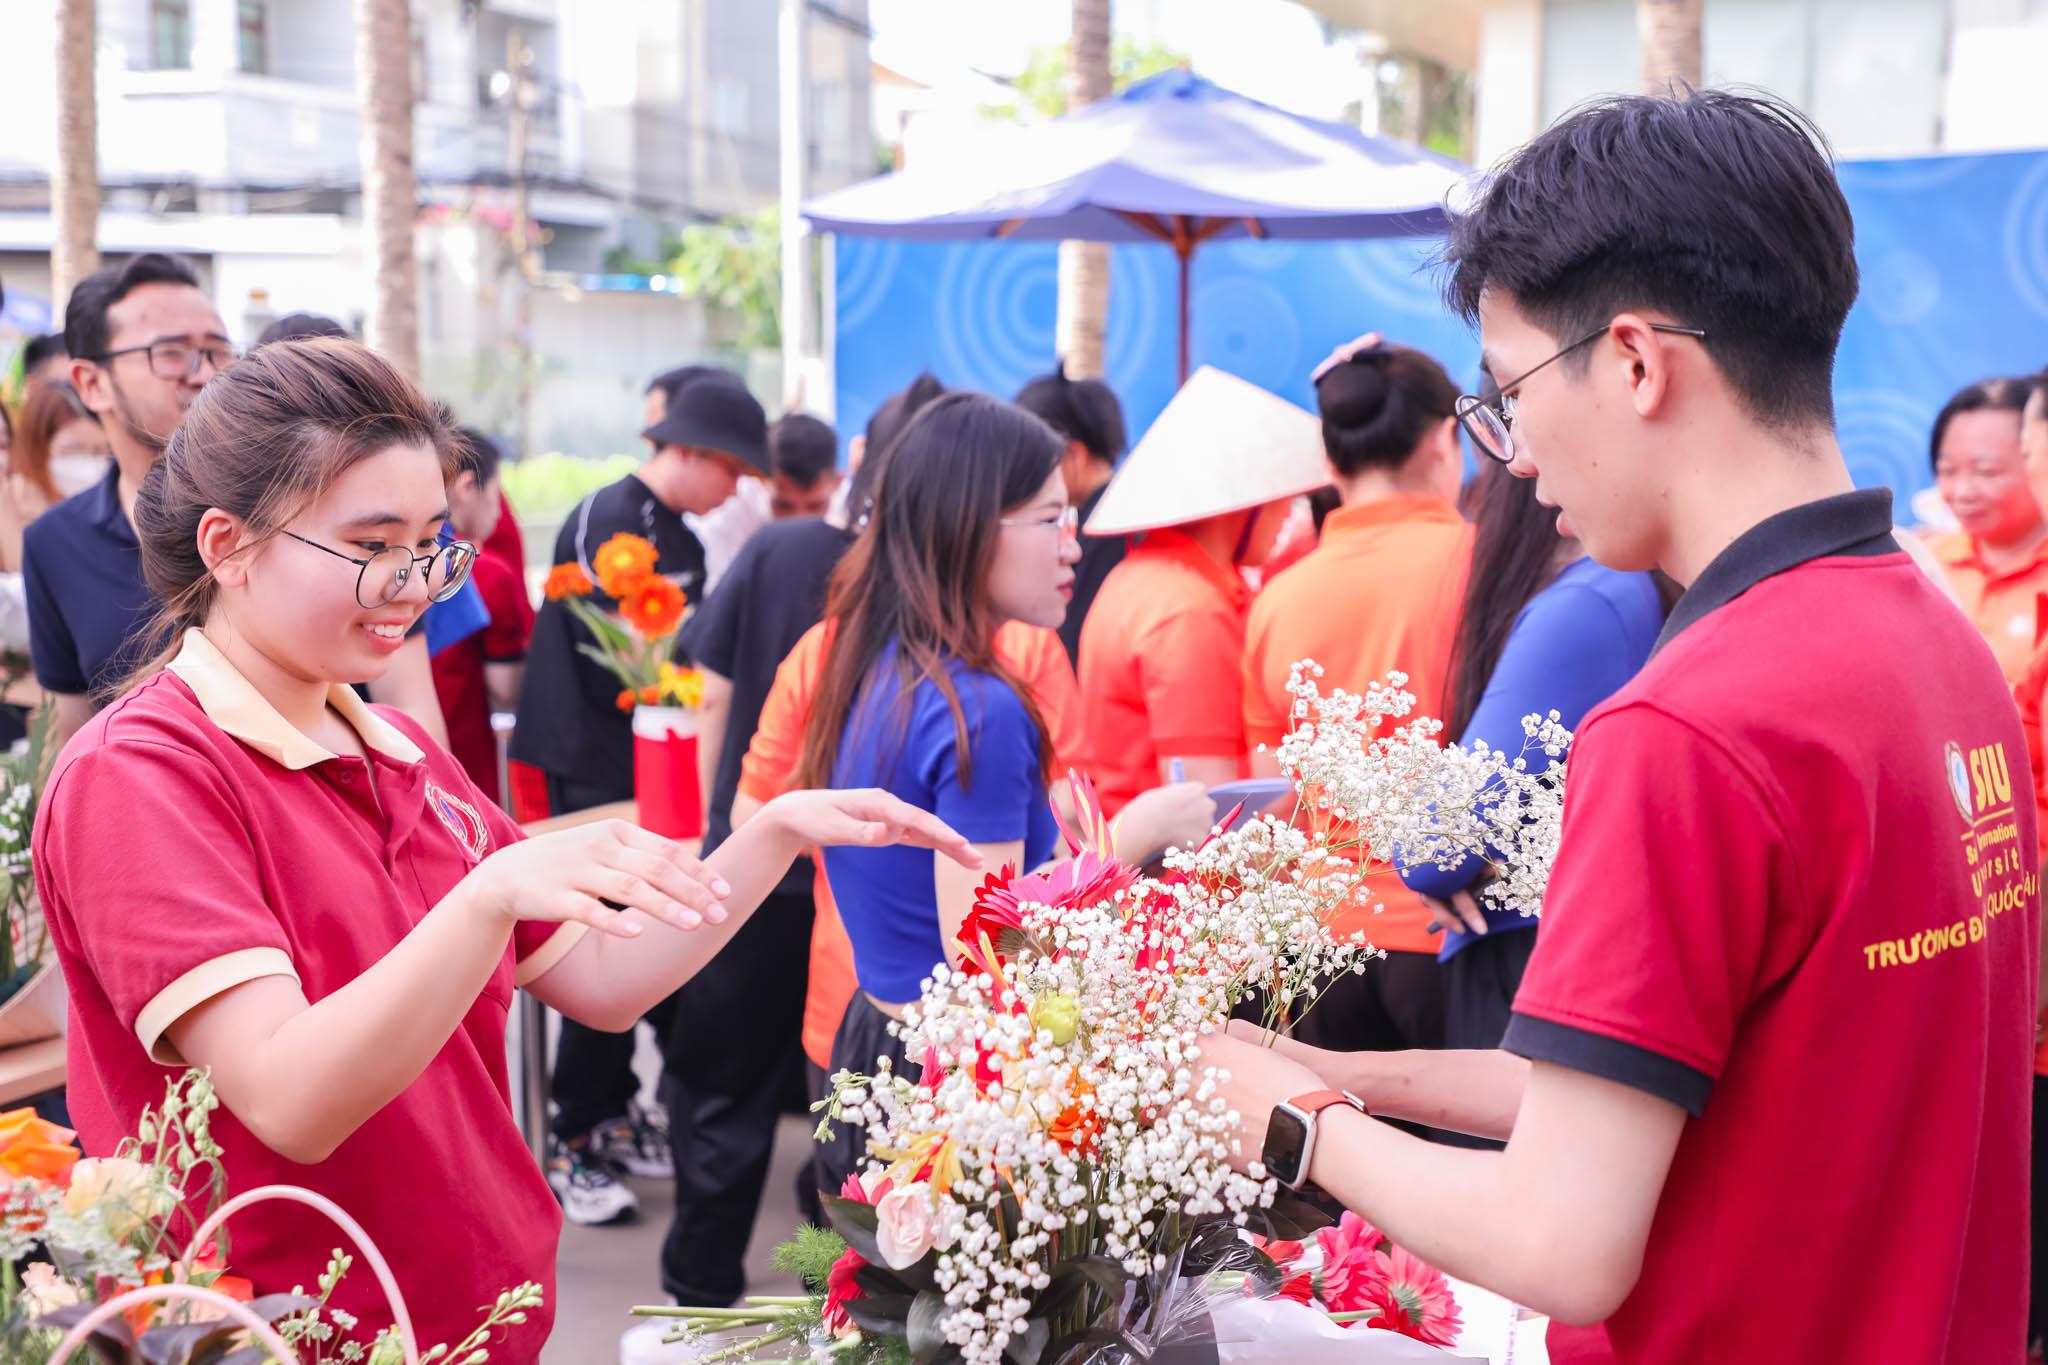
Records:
x=1470, y=1213
x=608, y=982
x=1474, y=1091
x=327, y=1067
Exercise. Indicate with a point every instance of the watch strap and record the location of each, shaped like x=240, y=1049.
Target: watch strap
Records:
x=1315, y=1101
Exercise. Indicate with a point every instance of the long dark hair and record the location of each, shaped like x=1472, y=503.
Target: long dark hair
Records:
x=1514, y=555
x=916, y=574
x=884, y=428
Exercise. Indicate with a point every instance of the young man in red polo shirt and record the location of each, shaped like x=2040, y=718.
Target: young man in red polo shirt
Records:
x=1765, y=1089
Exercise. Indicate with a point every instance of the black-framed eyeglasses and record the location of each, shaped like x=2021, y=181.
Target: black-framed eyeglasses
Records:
x=1492, y=428
x=383, y=575
x=176, y=359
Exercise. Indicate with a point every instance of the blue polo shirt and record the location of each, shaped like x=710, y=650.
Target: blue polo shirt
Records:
x=88, y=609
x=910, y=746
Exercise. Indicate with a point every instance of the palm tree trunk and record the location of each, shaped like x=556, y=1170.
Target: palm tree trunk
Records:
x=1670, y=33
x=1084, y=266
x=390, y=202
x=75, y=183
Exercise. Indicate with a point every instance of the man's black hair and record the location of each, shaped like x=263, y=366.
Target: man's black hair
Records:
x=802, y=448
x=85, y=316
x=301, y=326
x=1083, y=410
x=1718, y=208
x=1993, y=395
x=476, y=453
x=37, y=349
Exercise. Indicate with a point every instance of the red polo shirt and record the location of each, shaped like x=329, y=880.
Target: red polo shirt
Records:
x=1797, y=896
x=1160, y=666
x=192, y=840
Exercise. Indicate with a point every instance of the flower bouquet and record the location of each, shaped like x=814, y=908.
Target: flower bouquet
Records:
x=24, y=945
x=88, y=1260
x=637, y=643
x=1055, y=1182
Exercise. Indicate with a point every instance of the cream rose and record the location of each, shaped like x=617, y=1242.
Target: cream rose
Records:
x=118, y=1188
x=45, y=1291
x=905, y=1225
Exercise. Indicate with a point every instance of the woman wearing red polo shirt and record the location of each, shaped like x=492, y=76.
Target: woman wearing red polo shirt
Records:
x=1209, y=487
x=1379, y=594
x=247, y=869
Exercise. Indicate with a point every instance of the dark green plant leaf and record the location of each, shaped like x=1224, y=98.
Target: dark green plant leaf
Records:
x=1291, y=1219
x=111, y=1339
x=1073, y=1278
x=926, y=1325
x=887, y=1314
x=1026, y=1349
x=855, y=1222
x=1076, y=1347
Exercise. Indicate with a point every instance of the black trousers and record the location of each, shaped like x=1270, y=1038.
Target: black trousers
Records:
x=732, y=1065
x=862, y=1038
x=593, y=1078
x=1397, y=1003
x=1480, y=982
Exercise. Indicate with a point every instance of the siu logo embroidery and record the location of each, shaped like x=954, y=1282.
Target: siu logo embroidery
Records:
x=1959, y=780
x=462, y=821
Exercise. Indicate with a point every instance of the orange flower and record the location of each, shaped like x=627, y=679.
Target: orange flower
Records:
x=626, y=700
x=566, y=580
x=650, y=696
x=34, y=1149
x=623, y=564
x=653, y=608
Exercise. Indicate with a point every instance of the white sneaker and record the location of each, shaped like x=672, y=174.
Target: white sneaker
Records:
x=643, y=1344
x=639, y=1142
x=589, y=1187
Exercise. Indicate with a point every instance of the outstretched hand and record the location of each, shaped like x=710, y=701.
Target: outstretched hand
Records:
x=867, y=818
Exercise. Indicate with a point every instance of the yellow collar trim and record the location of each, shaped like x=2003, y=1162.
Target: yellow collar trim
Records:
x=232, y=702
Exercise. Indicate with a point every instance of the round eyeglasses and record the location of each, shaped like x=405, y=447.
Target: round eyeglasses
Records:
x=1491, y=425
x=384, y=574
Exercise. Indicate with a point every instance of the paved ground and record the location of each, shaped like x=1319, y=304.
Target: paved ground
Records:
x=603, y=1272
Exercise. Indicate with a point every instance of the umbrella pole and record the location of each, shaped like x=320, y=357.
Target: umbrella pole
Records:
x=1184, y=250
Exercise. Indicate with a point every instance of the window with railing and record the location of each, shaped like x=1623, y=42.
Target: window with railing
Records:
x=170, y=34
x=252, y=35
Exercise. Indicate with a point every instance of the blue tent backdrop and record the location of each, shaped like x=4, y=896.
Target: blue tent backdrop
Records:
x=1954, y=253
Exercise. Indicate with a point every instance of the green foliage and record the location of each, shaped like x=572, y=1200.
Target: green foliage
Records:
x=1043, y=82
x=736, y=266
x=810, y=1255
x=547, y=487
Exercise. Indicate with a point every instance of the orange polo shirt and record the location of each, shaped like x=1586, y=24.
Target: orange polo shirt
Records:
x=1379, y=594
x=1033, y=653
x=2001, y=605
x=1161, y=672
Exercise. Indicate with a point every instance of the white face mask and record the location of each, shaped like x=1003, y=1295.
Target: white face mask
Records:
x=76, y=473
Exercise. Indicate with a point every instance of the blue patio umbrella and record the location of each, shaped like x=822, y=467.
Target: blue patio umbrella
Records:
x=1174, y=159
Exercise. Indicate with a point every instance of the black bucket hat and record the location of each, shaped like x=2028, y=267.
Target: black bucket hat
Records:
x=715, y=411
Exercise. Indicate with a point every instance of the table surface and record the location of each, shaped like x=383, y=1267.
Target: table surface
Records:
x=30, y=1069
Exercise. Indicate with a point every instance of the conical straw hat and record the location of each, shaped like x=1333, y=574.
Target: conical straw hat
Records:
x=1221, y=445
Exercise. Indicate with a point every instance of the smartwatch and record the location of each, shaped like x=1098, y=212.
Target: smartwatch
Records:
x=1291, y=1133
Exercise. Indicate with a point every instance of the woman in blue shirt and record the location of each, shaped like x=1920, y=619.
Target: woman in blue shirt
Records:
x=1543, y=629
x=972, y=529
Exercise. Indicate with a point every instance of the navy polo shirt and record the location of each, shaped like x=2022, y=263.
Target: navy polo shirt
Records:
x=88, y=608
